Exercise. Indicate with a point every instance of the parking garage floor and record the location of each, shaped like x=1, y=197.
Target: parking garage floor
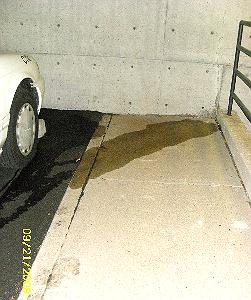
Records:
x=155, y=210
x=30, y=198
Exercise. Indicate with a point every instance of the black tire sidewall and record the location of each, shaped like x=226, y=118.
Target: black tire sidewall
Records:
x=12, y=157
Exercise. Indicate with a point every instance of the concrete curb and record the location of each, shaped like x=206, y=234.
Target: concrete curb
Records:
x=239, y=142
x=56, y=235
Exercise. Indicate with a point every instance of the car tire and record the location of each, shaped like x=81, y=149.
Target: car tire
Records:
x=22, y=138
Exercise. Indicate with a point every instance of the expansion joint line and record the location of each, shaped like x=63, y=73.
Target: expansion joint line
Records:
x=77, y=205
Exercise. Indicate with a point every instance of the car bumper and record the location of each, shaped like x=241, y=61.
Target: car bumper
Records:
x=3, y=130
x=40, y=85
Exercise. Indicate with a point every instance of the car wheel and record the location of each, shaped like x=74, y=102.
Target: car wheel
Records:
x=21, y=143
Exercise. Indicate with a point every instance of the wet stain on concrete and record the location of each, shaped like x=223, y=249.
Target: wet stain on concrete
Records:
x=82, y=173
x=53, y=165
x=100, y=131
x=34, y=196
x=64, y=268
x=119, y=151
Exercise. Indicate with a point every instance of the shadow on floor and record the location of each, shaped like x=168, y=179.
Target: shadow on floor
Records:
x=34, y=196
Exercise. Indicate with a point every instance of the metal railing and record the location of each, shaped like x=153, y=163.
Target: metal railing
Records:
x=237, y=73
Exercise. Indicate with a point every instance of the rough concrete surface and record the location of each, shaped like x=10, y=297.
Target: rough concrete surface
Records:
x=181, y=231
x=241, y=90
x=57, y=232
x=93, y=44
x=32, y=197
x=238, y=138
x=140, y=86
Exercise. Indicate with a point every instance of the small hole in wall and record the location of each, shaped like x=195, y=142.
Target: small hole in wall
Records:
x=212, y=32
x=58, y=25
x=96, y=26
x=130, y=103
x=58, y=63
x=134, y=27
x=132, y=67
x=202, y=107
x=169, y=68
x=166, y=104
x=59, y=98
x=207, y=71
x=21, y=23
x=173, y=29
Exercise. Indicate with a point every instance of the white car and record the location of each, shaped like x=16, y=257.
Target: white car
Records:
x=21, y=95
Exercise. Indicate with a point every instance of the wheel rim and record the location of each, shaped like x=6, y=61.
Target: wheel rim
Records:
x=26, y=129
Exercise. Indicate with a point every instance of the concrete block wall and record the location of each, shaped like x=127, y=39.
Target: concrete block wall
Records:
x=129, y=56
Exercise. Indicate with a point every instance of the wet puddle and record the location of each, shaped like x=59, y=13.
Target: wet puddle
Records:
x=119, y=151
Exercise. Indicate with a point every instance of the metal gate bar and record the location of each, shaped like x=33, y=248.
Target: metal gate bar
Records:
x=237, y=73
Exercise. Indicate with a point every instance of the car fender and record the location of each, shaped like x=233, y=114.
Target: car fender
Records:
x=8, y=87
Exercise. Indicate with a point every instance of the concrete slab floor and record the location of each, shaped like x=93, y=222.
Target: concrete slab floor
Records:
x=32, y=198
x=163, y=216
x=238, y=138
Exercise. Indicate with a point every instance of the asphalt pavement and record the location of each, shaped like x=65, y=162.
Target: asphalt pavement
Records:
x=30, y=197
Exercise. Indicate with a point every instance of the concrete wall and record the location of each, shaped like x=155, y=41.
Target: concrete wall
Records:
x=129, y=56
x=241, y=90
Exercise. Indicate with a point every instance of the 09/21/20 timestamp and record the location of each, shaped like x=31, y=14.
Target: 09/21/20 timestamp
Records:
x=26, y=260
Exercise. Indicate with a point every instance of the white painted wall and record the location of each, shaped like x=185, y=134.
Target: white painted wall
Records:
x=129, y=56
